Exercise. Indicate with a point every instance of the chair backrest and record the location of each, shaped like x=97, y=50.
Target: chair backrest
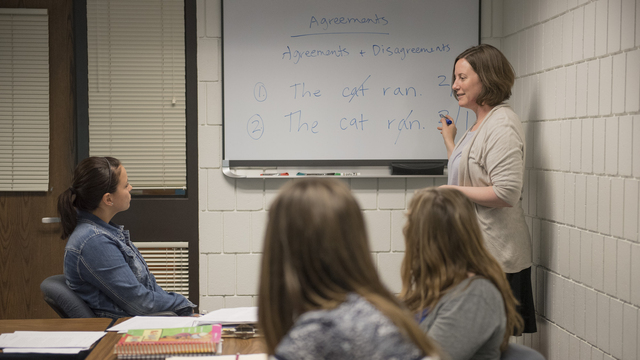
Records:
x=520, y=352
x=63, y=300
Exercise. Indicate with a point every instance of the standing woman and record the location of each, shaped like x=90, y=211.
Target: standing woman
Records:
x=320, y=294
x=101, y=264
x=487, y=165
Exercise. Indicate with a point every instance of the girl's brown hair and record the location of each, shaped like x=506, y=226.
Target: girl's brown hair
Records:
x=443, y=244
x=494, y=70
x=315, y=253
x=93, y=177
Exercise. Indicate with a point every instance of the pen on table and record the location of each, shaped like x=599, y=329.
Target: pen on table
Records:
x=237, y=356
x=219, y=349
x=449, y=122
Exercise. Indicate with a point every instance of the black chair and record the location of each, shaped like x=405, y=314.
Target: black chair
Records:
x=63, y=300
x=67, y=304
x=520, y=352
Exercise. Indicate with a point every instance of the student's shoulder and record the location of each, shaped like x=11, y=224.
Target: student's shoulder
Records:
x=345, y=313
x=353, y=317
x=472, y=296
x=88, y=235
x=481, y=287
x=308, y=336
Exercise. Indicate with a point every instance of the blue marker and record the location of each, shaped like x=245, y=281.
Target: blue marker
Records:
x=449, y=122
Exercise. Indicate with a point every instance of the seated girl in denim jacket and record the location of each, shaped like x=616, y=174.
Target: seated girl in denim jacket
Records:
x=101, y=264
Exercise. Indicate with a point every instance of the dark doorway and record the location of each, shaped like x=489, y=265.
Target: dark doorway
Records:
x=30, y=251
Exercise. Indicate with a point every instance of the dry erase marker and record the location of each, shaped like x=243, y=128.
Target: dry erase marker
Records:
x=449, y=122
x=315, y=174
x=328, y=174
x=275, y=174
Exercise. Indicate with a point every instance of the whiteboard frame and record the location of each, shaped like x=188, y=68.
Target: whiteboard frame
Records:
x=353, y=171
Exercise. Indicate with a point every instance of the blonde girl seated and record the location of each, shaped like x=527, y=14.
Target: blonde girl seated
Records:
x=458, y=289
x=320, y=294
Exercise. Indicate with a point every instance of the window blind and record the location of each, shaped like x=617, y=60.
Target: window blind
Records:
x=169, y=264
x=24, y=100
x=136, y=72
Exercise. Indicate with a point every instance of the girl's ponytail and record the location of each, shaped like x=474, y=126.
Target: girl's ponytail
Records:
x=67, y=211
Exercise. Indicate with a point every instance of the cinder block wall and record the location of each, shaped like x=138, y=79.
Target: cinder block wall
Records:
x=578, y=93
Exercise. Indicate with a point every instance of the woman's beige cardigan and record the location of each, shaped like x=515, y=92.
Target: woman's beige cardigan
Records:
x=495, y=157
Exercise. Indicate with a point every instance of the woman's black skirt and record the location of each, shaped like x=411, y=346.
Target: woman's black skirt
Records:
x=523, y=292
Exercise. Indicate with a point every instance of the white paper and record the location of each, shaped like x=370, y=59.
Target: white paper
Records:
x=154, y=322
x=239, y=315
x=49, y=341
x=44, y=350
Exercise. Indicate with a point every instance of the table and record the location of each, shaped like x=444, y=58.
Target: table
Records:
x=230, y=346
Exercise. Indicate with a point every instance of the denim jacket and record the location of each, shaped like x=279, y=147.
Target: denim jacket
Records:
x=108, y=272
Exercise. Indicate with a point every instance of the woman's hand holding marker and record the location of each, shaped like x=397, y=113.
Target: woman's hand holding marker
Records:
x=449, y=122
x=448, y=130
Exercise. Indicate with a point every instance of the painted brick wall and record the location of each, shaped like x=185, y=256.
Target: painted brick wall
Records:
x=578, y=94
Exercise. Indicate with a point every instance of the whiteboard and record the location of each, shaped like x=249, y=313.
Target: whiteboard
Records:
x=342, y=79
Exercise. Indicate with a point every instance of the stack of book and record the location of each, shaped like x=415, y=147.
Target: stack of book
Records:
x=163, y=343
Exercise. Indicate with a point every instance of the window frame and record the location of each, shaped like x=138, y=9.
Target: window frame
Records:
x=179, y=214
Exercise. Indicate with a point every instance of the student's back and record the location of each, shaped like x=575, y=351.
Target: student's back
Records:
x=452, y=282
x=469, y=321
x=353, y=330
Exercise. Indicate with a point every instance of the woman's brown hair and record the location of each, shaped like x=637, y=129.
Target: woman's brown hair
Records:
x=494, y=70
x=443, y=244
x=93, y=177
x=315, y=253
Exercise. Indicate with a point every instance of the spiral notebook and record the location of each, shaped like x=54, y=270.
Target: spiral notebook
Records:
x=200, y=340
